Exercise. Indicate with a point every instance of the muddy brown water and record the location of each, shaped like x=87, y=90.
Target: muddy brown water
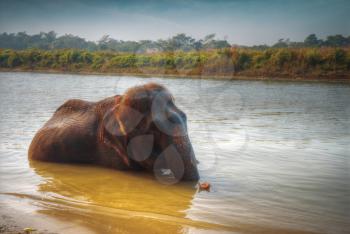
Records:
x=276, y=155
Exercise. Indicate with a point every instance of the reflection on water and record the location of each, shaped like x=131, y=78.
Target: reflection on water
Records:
x=276, y=155
x=111, y=196
x=110, y=188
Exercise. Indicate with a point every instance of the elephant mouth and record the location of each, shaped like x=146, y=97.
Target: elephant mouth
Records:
x=171, y=160
x=176, y=163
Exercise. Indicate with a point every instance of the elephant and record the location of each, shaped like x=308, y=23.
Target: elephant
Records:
x=142, y=129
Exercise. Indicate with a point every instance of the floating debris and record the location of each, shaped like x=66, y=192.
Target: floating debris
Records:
x=204, y=186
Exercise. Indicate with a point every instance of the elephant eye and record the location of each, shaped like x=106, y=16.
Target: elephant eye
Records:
x=170, y=103
x=183, y=115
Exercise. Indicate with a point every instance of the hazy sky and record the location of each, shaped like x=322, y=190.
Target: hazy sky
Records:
x=241, y=22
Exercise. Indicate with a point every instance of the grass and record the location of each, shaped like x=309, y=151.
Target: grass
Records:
x=291, y=63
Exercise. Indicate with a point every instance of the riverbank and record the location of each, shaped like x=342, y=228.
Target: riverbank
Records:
x=18, y=217
x=305, y=64
x=334, y=79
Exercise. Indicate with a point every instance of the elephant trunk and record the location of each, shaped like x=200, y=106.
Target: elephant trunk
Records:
x=176, y=161
x=177, y=158
x=184, y=148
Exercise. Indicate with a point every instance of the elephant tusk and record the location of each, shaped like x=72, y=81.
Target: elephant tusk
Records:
x=121, y=126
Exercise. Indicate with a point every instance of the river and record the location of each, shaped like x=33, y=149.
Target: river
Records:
x=276, y=155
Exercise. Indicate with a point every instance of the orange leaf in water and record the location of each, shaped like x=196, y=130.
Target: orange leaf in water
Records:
x=204, y=186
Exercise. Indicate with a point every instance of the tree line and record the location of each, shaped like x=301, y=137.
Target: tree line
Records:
x=179, y=42
x=50, y=41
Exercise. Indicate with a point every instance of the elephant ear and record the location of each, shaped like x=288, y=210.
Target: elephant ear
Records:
x=127, y=118
x=117, y=123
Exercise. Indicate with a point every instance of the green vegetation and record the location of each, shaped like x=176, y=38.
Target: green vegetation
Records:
x=178, y=55
x=325, y=62
x=50, y=41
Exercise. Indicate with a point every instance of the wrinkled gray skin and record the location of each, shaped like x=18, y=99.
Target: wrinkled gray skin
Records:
x=145, y=131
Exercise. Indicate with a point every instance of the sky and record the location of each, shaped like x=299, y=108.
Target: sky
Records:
x=248, y=22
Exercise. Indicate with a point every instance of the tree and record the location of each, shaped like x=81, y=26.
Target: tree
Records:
x=198, y=45
x=312, y=41
x=282, y=43
x=69, y=41
x=209, y=38
x=337, y=40
x=103, y=42
x=181, y=42
x=209, y=42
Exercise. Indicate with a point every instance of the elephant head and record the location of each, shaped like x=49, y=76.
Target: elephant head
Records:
x=147, y=130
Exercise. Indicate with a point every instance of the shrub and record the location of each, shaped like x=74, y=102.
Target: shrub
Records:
x=13, y=60
x=283, y=61
x=282, y=57
x=313, y=58
x=243, y=61
x=340, y=56
x=97, y=62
